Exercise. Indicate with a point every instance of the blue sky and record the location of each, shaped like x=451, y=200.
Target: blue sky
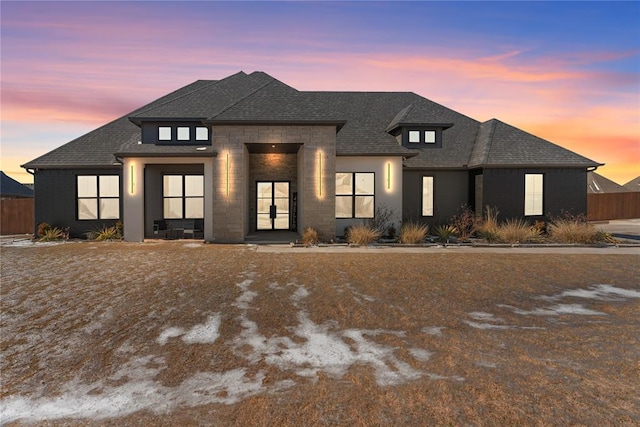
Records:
x=567, y=71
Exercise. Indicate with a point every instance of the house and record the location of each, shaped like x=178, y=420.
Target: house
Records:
x=16, y=206
x=598, y=184
x=633, y=185
x=248, y=153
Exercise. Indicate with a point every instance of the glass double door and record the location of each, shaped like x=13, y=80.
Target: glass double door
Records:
x=272, y=205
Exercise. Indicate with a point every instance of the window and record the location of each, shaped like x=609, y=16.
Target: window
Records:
x=533, y=188
x=183, y=133
x=430, y=136
x=427, y=196
x=98, y=196
x=183, y=196
x=202, y=133
x=414, y=136
x=164, y=133
x=355, y=194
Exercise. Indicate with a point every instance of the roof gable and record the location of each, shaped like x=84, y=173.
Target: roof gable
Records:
x=9, y=187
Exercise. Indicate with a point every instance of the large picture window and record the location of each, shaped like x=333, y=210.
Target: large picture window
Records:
x=98, y=196
x=427, y=196
x=533, y=193
x=355, y=194
x=183, y=196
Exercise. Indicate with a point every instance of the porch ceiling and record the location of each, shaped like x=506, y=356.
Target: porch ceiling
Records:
x=287, y=148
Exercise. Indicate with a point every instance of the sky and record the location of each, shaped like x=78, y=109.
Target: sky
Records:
x=568, y=72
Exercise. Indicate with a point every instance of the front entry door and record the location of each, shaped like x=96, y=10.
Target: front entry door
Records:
x=273, y=205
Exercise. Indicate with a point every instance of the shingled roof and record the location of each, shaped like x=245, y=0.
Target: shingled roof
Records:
x=501, y=145
x=9, y=187
x=365, y=122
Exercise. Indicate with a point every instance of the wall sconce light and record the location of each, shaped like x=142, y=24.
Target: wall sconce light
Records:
x=389, y=176
x=227, y=173
x=320, y=174
x=131, y=179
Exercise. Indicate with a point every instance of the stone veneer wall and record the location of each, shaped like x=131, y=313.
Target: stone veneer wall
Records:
x=316, y=200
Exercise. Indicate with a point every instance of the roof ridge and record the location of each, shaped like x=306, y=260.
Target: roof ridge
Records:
x=273, y=80
x=211, y=83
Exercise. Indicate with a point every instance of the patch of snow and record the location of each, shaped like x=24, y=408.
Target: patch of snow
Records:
x=169, y=333
x=485, y=325
x=192, y=245
x=558, y=309
x=599, y=292
x=442, y=377
x=421, y=354
x=432, y=330
x=480, y=315
x=207, y=333
x=300, y=294
x=486, y=364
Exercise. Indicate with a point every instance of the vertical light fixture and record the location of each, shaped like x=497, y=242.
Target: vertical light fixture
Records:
x=227, y=173
x=389, y=176
x=320, y=173
x=131, y=179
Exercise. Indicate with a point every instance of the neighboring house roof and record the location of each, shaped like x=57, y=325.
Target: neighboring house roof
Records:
x=634, y=184
x=9, y=187
x=597, y=183
x=366, y=124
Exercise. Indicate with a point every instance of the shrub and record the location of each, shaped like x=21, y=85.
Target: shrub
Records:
x=488, y=228
x=572, y=229
x=517, y=231
x=465, y=222
x=106, y=233
x=445, y=232
x=51, y=234
x=42, y=228
x=310, y=236
x=381, y=218
x=413, y=232
x=362, y=235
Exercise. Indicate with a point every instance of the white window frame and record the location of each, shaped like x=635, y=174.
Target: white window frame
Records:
x=162, y=133
x=100, y=199
x=202, y=133
x=427, y=195
x=533, y=194
x=183, y=133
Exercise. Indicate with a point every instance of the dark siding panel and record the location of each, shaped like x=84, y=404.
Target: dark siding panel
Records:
x=564, y=190
x=451, y=191
x=55, y=199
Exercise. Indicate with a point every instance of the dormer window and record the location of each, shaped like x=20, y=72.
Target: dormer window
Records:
x=164, y=133
x=422, y=136
x=183, y=133
x=202, y=133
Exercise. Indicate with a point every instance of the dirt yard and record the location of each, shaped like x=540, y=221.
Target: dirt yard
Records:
x=181, y=333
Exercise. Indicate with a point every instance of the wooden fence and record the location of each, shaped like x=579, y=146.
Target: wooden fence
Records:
x=605, y=206
x=17, y=216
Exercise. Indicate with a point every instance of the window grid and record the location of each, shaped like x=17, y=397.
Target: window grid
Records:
x=98, y=197
x=183, y=196
x=355, y=194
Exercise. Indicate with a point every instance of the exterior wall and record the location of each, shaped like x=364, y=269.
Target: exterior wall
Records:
x=153, y=207
x=450, y=193
x=232, y=184
x=388, y=185
x=563, y=190
x=56, y=202
x=137, y=195
x=270, y=167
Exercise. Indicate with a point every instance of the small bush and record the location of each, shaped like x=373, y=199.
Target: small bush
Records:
x=572, y=230
x=362, y=235
x=412, y=233
x=465, y=222
x=517, y=231
x=51, y=234
x=445, y=232
x=42, y=228
x=310, y=236
x=381, y=218
x=106, y=233
x=488, y=229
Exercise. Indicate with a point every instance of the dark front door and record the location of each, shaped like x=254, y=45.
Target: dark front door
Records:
x=272, y=205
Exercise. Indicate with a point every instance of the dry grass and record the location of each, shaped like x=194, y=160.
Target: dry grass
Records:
x=517, y=231
x=363, y=235
x=413, y=233
x=571, y=230
x=75, y=315
x=310, y=236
